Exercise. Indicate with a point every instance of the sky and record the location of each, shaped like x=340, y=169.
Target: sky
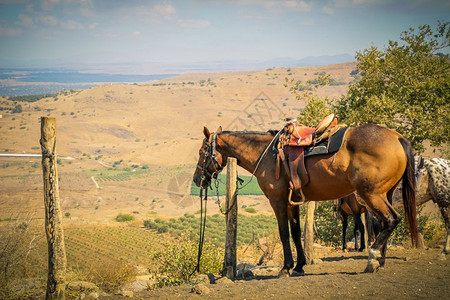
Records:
x=50, y=32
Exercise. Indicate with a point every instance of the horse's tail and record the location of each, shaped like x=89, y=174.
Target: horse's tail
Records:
x=409, y=191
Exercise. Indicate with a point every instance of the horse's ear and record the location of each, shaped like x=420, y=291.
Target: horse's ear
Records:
x=219, y=130
x=206, y=132
x=421, y=163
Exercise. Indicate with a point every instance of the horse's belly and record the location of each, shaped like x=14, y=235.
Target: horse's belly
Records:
x=327, y=178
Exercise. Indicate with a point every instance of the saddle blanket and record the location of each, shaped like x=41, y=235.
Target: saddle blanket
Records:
x=327, y=146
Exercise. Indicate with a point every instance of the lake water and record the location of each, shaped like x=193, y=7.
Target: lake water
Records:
x=28, y=81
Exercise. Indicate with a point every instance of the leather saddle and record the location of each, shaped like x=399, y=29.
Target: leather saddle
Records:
x=294, y=138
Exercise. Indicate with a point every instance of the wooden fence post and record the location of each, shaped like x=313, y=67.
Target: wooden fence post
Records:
x=53, y=216
x=229, y=265
x=309, y=232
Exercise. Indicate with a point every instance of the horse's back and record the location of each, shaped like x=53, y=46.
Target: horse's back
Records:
x=373, y=139
x=371, y=159
x=376, y=155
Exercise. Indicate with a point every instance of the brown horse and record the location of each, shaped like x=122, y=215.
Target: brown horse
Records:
x=371, y=161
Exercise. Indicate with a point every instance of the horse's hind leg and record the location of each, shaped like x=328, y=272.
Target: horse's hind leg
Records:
x=389, y=219
x=359, y=226
x=294, y=220
x=344, y=230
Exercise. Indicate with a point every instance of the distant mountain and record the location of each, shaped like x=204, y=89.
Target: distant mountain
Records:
x=150, y=68
x=310, y=61
x=325, y=60
x=235, y=65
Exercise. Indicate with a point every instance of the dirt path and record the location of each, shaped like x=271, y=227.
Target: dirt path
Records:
x=409, y=274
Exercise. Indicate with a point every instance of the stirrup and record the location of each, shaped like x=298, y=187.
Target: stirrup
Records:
x=292, y=203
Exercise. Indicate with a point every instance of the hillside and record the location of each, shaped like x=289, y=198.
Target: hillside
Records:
x=157, y=125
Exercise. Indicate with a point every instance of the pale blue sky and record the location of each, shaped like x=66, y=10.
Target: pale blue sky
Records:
x=112, y=31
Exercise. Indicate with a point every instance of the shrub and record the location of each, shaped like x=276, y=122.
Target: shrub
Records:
x=179, y=259
x=109, y=274
x=433, y=233
x=124, y=218
x=17, y=241
x=250, y=210
x=17, y=109
x=329, y=229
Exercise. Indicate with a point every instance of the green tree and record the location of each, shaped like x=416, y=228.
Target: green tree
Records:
x=17, y=109
x=316, y=108
x=405, y=87
x=314, y=112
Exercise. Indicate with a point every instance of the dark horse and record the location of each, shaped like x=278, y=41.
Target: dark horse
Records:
x=371, y=161
x=352, y=206
x=349, y=206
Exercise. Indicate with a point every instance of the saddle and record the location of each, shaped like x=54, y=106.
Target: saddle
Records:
x=294, y=138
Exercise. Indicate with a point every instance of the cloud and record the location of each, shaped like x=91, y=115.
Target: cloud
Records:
x=48, y=4
x=136, y=33
x=87, y=12
x=164, y=9
x=49, y=20
x=26, y=20
x=155, y=13
x=194, y=23
x=71, y=25
x=301, y=6
x=308, y=22
x=9, y=31
x=298, y=5
x=328, y=10
x=93, y=26
x=12, y=1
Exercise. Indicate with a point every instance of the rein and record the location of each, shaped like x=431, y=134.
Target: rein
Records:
x=202, y=229
x=211, y=152
x=259, y=160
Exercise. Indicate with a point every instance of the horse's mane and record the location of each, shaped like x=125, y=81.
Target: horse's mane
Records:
x=271, y=132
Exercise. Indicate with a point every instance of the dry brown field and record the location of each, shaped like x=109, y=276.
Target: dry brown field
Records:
x=151, y=134
x=158, y=125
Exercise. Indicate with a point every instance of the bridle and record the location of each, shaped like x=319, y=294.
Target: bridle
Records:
x=210, y=159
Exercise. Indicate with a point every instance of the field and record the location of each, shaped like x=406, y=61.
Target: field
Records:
x=131, y=150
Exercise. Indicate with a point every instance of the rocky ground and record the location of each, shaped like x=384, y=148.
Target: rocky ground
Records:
x=408, y=274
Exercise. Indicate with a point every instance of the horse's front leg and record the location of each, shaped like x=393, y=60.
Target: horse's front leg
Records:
x=296, y=233
x=283, y=228
x=445, y=211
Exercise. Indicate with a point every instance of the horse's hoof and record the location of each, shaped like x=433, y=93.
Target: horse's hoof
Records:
x=297, y=273
x=361, y=249
x=374, y=254
x=283, y=273
x=372, y=266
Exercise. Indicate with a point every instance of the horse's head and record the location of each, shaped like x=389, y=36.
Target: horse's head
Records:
x=210, y=161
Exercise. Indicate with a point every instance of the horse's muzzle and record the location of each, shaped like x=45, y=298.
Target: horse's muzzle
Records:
x=198, y=181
